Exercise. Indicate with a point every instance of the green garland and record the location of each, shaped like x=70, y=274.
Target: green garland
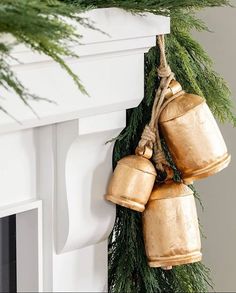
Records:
x=41, y=25
x=38, y=24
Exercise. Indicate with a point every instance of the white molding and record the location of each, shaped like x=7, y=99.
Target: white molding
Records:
x=113, y=92
x=19, y=207
x=75, y=213
x=29, y=250
x=109, y=68
x=46, y=169
x=29, y=254
x=84, y=165
x=114, y=27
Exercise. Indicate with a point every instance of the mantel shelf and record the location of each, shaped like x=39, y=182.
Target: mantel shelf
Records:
x=107, y=65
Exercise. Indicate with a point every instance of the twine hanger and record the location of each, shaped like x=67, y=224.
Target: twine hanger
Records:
x=151, y=136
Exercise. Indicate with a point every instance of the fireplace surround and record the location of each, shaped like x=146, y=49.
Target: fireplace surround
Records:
x=54, y=170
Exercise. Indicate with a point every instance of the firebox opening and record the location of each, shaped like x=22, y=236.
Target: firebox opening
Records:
x=8, y=254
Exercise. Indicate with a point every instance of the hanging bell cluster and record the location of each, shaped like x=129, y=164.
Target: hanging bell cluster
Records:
x=170, y=222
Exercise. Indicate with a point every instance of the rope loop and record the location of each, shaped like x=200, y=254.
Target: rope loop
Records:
x=159, y=159
x=148, y=137
x=151, y=136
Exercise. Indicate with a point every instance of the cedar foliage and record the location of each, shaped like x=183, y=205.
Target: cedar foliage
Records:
x=41, y=25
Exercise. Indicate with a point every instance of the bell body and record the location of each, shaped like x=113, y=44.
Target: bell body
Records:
x=193, y=137
x=132, y=182
x=170, y=227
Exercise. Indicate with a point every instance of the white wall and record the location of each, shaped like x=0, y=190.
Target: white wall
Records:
x=219, y=192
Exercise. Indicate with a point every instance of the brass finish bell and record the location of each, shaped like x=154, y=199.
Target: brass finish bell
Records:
x=170, y=226
x=132, y=181
x=193, y=136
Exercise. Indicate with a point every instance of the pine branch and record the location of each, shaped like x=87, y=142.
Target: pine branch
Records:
x=42, y=26
x=194, y=69
x=154, y=6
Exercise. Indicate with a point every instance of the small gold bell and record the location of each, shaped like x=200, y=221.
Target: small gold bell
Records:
x=170, y=226
x=193, y=136
x=132, y=181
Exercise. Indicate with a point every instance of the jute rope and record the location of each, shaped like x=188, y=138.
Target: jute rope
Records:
x=151, y=136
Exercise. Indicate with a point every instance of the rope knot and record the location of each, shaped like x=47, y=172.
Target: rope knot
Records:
x=160, y=159
x=148, y=137
x=164, y=71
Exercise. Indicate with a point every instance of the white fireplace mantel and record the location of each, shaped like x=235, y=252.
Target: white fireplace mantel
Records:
x=54, y=169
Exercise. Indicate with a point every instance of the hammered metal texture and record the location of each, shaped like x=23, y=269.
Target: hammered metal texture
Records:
x=170, y=227
x=132, y=182
x=193, y=137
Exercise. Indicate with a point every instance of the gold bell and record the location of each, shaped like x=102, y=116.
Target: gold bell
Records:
x=193, y=136
x=132, y=181
x=170, y=226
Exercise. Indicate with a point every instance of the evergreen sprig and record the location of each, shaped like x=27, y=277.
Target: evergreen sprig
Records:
x=42, y=26
x=155, y=6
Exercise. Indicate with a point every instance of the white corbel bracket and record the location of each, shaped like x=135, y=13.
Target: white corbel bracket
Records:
x=83, y=158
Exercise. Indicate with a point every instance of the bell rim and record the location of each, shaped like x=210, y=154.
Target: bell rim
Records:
x=185, y=191
x=125, y=202
x=208, y=171
x=176, y=260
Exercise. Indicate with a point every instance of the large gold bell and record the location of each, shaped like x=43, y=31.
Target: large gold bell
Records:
x=132, y=182
x=170, y=226
x=193, y=137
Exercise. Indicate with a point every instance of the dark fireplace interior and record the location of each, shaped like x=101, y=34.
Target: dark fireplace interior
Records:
x=8, y=254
